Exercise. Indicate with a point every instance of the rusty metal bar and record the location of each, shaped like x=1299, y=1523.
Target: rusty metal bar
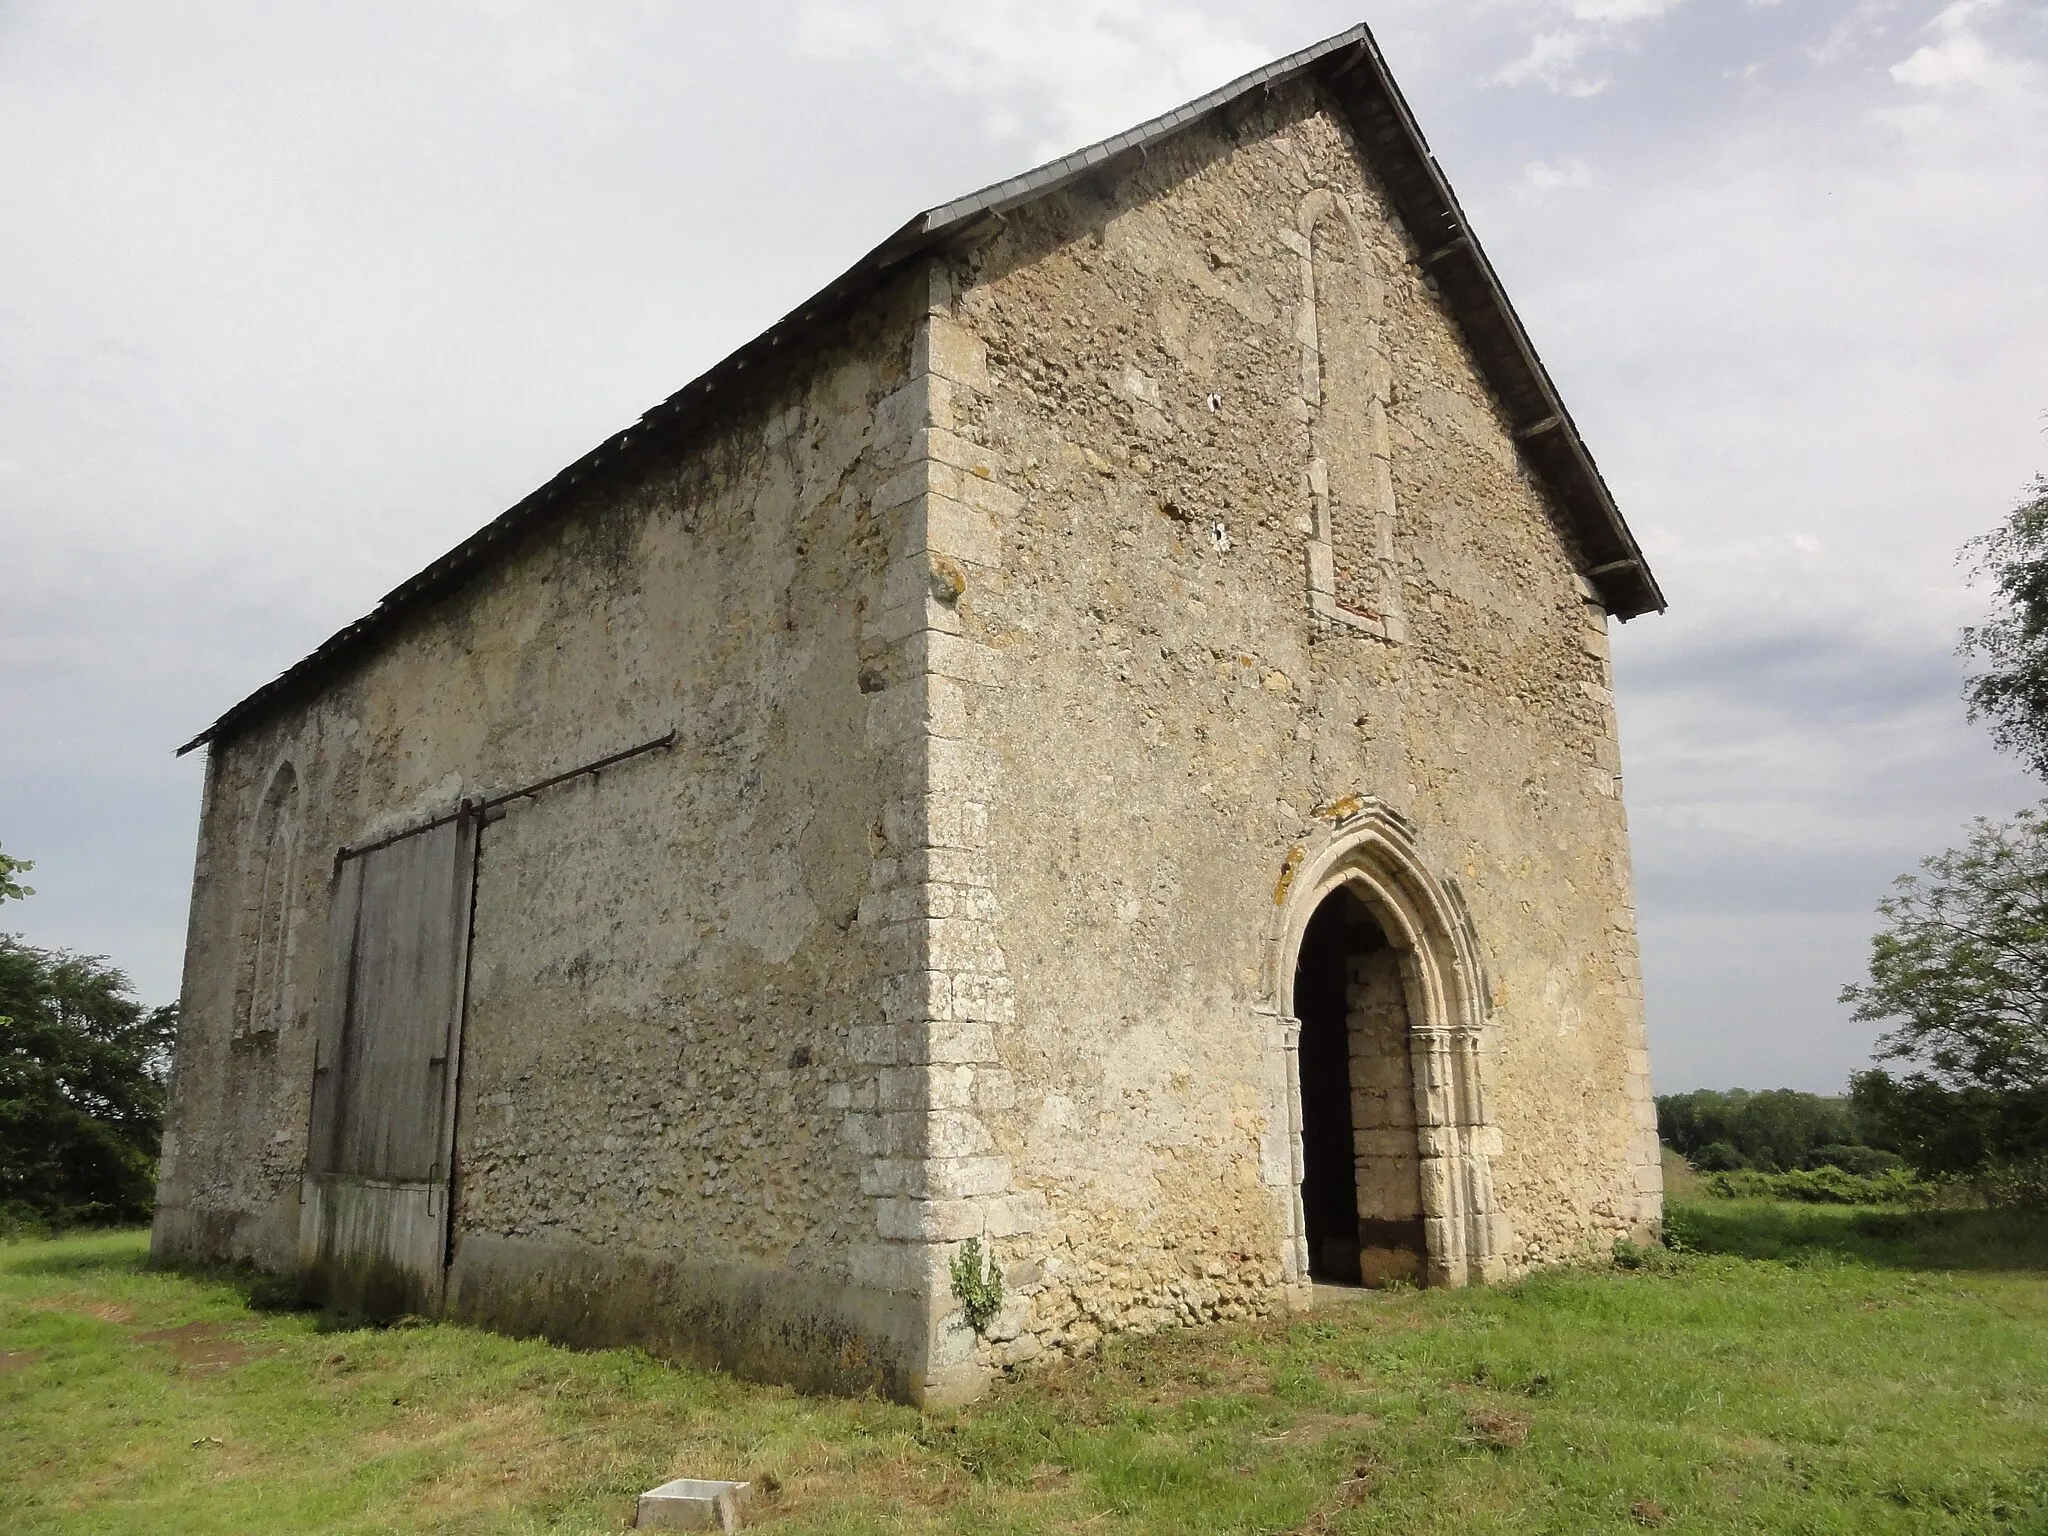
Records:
x=524, y=792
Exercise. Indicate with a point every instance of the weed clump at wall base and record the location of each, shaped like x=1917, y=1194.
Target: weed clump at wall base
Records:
x=977, y=1285
x=1650, y=1258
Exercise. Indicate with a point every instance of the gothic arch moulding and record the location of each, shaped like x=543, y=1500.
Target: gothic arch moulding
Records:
x=1371, y=848
x=270, y=911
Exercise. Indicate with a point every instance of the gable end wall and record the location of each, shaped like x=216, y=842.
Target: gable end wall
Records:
x=1180, y=715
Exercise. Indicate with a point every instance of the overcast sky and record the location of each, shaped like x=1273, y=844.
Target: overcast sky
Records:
x=292, y=297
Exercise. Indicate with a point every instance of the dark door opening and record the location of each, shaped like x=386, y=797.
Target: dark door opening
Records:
x=1329, y=1179
x=1361, y=1186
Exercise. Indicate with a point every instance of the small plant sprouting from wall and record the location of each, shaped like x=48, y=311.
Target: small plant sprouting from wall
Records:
x=978, y=1284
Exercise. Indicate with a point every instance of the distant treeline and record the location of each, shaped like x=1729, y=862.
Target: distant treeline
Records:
x=1774, y=1131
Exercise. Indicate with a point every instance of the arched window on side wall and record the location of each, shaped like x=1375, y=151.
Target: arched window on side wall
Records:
x=265, y=1004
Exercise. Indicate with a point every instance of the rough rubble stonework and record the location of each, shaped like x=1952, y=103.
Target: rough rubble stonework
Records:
x=1040, y=654
x=1173, y=715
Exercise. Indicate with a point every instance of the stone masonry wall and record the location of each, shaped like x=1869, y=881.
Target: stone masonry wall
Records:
x=674, y=1125
x=1253, y=556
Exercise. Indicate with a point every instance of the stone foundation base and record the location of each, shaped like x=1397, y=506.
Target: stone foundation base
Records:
x=816, y=1333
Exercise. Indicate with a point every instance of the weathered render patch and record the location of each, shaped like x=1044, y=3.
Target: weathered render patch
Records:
x=1031, y=664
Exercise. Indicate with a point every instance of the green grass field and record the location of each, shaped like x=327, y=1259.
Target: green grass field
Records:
x=1806, y=1369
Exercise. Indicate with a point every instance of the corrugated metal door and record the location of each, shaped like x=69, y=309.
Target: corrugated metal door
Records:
x=373, y=1233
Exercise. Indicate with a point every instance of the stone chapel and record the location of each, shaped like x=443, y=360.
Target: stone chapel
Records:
x=1090, y=738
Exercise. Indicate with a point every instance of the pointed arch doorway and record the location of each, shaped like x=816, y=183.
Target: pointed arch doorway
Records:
x=1381, y=1004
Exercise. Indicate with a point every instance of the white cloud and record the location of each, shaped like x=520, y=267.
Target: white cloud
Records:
x=1068, y=71
x=1552, y=62
x=1540, y=178
x=1861, y=22
x=1570, y=34
x=1621, y=10
x=1961, y=59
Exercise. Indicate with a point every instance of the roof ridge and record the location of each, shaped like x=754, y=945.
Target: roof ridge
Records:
x=1013, y=190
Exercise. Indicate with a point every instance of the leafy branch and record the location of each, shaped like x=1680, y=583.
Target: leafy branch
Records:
x=978, y=1285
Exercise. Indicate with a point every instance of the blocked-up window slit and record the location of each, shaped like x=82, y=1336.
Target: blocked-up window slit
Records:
x=1346, y=380
x=264, y=998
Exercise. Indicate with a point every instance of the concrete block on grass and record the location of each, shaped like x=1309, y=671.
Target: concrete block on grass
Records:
x=691, y=1504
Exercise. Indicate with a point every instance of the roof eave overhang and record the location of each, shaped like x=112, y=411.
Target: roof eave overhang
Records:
x=1351, y=66
x=1450, y=254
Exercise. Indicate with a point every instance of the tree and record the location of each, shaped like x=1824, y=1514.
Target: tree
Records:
x=82, y=1072
x=1944, y=1130
x=11, y=871
x=1960, y=972
x=2011, y=694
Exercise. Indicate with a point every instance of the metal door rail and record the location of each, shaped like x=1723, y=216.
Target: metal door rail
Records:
x=526, y=791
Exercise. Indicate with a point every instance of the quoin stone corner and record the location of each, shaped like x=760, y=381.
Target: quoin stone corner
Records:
x=1092, y=736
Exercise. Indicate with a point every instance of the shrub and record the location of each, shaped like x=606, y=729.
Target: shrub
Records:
x=2016, y=1186
x=1817, y=1186
x=1652, y=1258
x=1777, y=1129
x=1944, y=1129
x=1718, y=1157
x=1853, y=1159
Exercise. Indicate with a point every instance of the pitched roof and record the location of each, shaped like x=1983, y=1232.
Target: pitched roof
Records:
x=1351, y=67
